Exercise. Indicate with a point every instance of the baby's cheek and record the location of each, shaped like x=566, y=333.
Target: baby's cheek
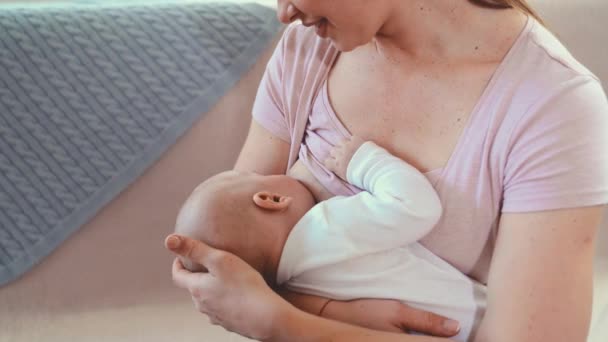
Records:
x=192, y=266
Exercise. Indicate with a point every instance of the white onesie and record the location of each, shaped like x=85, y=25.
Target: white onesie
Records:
x=365, y=246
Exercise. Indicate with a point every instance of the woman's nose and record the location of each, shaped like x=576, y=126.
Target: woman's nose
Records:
x=286, y=12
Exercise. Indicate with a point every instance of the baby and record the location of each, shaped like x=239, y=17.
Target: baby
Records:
x=344, y=248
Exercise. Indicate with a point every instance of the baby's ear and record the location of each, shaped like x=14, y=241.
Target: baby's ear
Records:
x=271, y=201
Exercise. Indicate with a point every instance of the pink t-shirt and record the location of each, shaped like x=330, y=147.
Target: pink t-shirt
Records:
x=536, y=140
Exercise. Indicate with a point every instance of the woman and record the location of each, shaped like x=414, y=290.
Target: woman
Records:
x=477, y=94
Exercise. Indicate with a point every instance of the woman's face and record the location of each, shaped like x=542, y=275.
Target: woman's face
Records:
x=348, y=23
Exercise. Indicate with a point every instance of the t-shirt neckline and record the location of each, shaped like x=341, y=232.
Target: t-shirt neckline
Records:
x=437, y=173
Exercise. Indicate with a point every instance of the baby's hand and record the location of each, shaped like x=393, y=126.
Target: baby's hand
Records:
x=341, y=154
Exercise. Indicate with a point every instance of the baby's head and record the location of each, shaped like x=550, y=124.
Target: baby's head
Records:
x=247, y=214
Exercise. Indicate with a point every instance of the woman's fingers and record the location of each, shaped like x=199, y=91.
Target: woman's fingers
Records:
x=230, y=283
x=185, y=279
x=427, y=322
x=194, y=250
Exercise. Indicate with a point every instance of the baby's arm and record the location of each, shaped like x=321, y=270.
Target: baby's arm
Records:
x=398, y=207
x=397, y=196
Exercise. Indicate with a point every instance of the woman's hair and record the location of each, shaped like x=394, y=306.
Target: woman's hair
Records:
x=521, y=5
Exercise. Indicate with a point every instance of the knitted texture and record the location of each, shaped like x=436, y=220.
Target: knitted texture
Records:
x=90, y=96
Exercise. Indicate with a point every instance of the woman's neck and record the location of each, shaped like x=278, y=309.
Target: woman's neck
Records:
x=454, y=30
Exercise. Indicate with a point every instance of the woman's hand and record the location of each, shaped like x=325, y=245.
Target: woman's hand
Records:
x=376, y=314
x=390, y=315
x=231, y=293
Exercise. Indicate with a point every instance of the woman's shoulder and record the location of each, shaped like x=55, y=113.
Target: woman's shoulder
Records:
x=545, y=63
x=552, y=129
x=541, y=73
x=556, y=52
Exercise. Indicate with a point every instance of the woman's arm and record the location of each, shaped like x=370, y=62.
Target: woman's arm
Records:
x=236, y=296
x=376, y=314
x=298, y=326
x=267, y=154
x=262, y=152
x=540, y=281
x=540, y=285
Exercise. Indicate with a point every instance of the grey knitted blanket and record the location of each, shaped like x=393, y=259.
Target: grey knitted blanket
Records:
x=92, y=95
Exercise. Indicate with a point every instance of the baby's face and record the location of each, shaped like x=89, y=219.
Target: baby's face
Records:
x=247, y=214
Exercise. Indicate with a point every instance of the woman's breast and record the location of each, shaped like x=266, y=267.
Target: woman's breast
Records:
x=323, y=132
x=464, y=235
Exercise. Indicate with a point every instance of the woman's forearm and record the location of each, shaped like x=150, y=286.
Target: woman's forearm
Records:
x=307, y=303
x=298, y=326
x=375, y=314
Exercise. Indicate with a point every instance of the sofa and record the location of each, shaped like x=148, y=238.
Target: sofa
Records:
x=111, y=281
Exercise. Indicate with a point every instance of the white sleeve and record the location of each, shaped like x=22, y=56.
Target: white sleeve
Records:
x=398, y=207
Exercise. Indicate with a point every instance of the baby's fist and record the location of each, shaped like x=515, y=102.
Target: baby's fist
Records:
x=341, y=154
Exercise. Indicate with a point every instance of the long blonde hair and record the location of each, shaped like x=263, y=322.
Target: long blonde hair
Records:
x=521, y=5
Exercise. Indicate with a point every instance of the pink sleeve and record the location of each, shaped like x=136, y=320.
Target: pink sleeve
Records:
x=268, y=107
x=558, y=153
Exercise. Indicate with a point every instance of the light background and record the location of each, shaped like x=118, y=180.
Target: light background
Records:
x=581, y=25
